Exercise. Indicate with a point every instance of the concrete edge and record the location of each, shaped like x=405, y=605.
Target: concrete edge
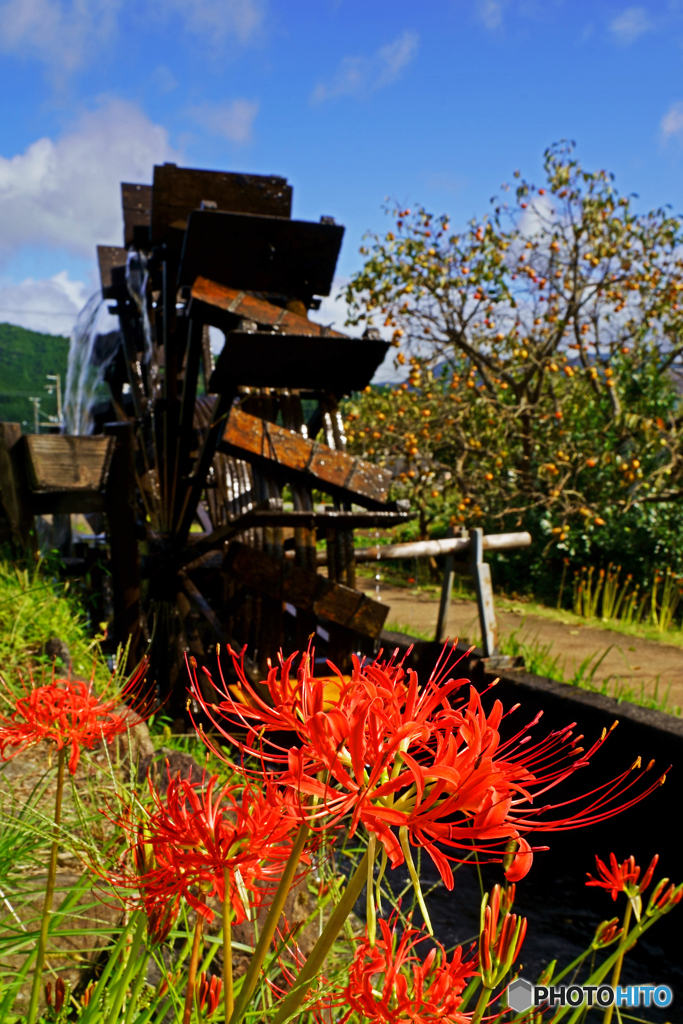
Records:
x=427, y=652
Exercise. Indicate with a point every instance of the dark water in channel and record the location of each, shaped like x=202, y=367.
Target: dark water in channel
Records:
x=562, y=917
x=562, y=912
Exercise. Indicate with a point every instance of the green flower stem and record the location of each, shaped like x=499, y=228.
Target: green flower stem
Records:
x=314, y=963
x=370, y=913
x=414, y=876
x=260, y=953
x=49, y=894
x=482, y=1003
x=93, y=1006
x=227, y=948
x=137, y=988
x=192, y=973
x=132, y=964
x=616, y=974
x=600, y=973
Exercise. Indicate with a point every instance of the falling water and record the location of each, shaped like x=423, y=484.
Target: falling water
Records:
x=94, y=343
x=136, y=283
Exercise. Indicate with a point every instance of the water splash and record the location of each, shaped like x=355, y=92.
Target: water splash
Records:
x=95, y=340
x=136, y=283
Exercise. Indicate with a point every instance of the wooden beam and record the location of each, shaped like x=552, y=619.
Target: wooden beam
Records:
x=111, y=260
x=136, y=201
x=186, y=437
x=335, y=472
x=197, y=481
x=125, y=563
x=306, y=590
x=179, y=190
x=320, y=521
x=481, y=575
x=296, y=258
x=432, y=548
x=14, y=495
x=269, y=359
x=446, y=591
x=248, y=307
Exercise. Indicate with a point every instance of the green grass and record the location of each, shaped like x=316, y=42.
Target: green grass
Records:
x=35, y=605
x=672, y=636
x=539, y=660
x=401, y=627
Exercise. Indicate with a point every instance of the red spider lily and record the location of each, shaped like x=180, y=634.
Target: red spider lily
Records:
x=60, y=994
x=185, y=844
x=162, y=914
x=68, y=713
x=388, y=982
x=87, y=995
x=389, y=756
x=662, y=900
x=295, y=702
x=521, y=857
x=606, y=933
x=622, y=877
x=500, y=938
x=209, y=993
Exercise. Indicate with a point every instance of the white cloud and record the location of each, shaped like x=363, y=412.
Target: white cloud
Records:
x=62, y=34
x=358, y=76
x=630, y=24
x=220, y=18
x=65, y=193
x=490, y=12
x=234, y=121
x=164, y=79
x=672, y=122
x=50, y=306
x=68, y=34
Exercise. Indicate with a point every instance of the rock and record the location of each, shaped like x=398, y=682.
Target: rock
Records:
x=178, y=763
x=58, y=652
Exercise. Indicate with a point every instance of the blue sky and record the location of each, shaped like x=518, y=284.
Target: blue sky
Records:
x=352, y=101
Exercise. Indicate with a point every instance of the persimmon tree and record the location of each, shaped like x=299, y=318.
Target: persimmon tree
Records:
x=542, y=344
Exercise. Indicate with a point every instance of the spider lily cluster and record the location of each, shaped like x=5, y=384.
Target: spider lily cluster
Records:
x=398, y=767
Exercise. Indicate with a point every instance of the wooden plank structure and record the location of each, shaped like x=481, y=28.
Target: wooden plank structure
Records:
x=286, y=452
x=192, y=445
x=191, y=469
x=136, y=202
x=306, y=590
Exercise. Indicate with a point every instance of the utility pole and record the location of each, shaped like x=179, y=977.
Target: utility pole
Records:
x=51, y=389
x=36, y=412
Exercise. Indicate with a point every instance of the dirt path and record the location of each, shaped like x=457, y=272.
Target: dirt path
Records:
x=631, y=662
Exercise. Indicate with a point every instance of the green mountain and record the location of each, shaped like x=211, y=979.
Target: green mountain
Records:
x=26, y=358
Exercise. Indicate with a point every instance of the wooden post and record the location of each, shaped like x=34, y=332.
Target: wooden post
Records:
x=481, y=574
x=446, y=590
x=14, y=498
x=125, y=565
